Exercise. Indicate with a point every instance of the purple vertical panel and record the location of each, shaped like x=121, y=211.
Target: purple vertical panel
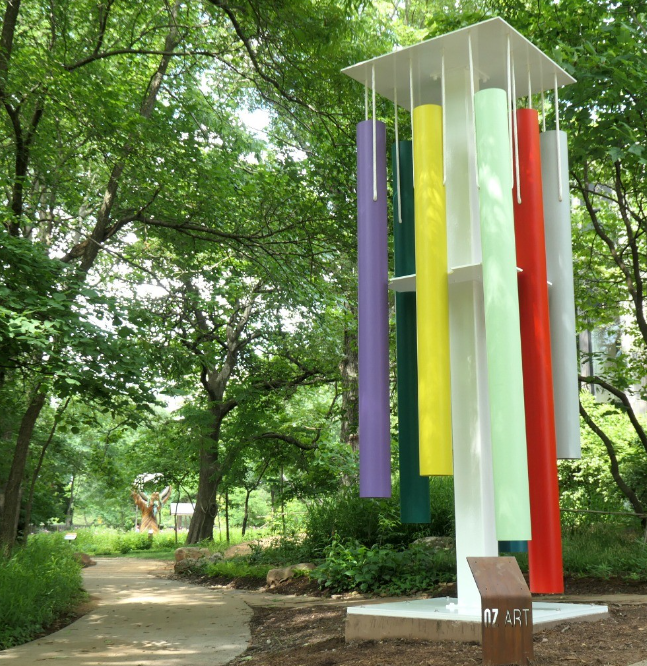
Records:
x=373, y=343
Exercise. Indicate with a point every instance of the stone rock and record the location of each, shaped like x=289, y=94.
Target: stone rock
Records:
x=214, y=557
x=184, y=565
x=84, y=560
x=248, y=547
x=276, y=576
x=304, y=566
x=191, y=553
x=238, y=550
x=436, y=543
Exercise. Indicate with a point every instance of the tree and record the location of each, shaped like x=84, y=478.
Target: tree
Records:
x=95, y=157
x=231, y=335
x=36, y=86
x=126, y=144
x=51, y=347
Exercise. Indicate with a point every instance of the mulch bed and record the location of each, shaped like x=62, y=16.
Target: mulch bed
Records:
x=314, y=635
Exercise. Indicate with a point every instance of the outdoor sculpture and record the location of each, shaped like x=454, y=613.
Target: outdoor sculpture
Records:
x=487, y=366
x=151, y=508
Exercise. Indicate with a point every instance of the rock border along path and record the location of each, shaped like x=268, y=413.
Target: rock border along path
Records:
x=141, y=618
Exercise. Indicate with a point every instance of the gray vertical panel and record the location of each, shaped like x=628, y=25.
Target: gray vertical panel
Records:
x=559, y=265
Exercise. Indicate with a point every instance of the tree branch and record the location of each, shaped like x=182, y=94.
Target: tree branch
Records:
x=287, y=438
x=238, y=29
x=638, y=296
x=109, y=54
x=613, y=459
x=622, y=396
x=277, y=384
x=148, y=104
x=599, y=230
x=104, y=13
x=6, y=42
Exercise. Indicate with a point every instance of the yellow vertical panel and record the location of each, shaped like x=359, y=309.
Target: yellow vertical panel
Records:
x=432, y=300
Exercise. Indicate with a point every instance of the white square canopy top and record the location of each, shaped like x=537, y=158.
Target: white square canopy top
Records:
x=423, y=64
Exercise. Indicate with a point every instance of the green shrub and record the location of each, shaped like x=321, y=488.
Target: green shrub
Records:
x=587, y=483
x=238, y=568
x=604, y=551
x=353, y=566
x=282, y=552
x=165, y=540
x=122, y=545
x=347, y=517
x=110, y=541
x=38, y=583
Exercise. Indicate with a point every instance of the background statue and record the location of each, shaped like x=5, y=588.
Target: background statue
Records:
x=151, y=508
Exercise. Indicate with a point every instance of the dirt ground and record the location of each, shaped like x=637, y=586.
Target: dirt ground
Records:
x=314, y=636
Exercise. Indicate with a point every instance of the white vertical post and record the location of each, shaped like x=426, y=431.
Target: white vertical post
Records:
x=397, y=154
x=374, y=137
x=473, y=489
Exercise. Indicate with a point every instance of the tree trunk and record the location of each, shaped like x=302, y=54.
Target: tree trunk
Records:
x=12, y=490
x=282, y=503
x=214, y=381
x=228, y=539
x=249, y=491
x=69, y=514
x=206, y=507
x=39, y=464
x=350, y=396
x=246, y=512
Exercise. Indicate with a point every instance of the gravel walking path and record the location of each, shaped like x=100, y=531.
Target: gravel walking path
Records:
x=141, y=618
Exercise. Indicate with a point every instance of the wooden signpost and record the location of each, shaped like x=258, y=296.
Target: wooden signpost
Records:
x=506, y=610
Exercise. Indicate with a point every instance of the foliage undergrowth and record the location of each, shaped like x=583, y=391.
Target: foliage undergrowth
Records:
x=110, y=541
x=347, y=517
x=599, y=551
x=220, y=543
x=38, y=583
x=606, y=551
x=282, y=552
x=238, y=568
x=586, y=484
x=104, y=541
x=353, y=566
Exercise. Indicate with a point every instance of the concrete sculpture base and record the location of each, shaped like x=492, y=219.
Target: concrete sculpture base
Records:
x=442, y=619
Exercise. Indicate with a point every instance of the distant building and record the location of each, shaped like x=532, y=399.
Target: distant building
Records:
x=598, y=348
x=182, y=512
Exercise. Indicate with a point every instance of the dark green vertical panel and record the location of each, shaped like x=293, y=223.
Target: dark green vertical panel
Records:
x=404, y=235
x=513, y=547
x=414, y=489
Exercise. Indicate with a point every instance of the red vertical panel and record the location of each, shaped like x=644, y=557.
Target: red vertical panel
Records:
x=545, y=548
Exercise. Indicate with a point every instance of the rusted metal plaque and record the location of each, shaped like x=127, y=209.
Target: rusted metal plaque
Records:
x=506, y=610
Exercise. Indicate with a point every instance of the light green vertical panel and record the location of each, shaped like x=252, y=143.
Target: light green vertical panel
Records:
x=503, y=339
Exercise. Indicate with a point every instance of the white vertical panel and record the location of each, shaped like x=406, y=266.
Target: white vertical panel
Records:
x=473, y=490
